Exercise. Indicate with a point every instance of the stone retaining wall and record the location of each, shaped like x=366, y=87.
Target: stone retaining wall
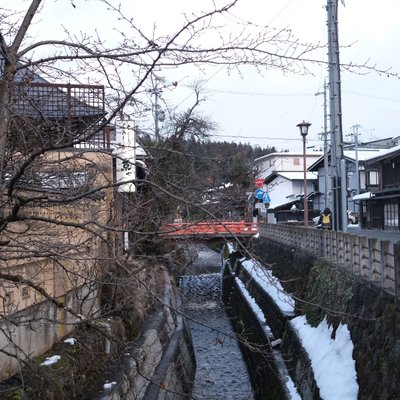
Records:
x=299, y=364
x=160, y=364
x=373, y=260
x=322, y=289
x=265, y=373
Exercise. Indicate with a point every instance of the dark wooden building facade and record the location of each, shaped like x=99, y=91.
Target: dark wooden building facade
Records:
x=380, y=204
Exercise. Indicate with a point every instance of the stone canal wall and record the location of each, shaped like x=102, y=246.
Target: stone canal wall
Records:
x=160, y=364
x=322, y=290
x=264, y=369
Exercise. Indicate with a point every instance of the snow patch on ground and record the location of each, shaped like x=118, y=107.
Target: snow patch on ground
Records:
x=109, y=385
x=260, y=316
x=270, y=285
x=331, y=359
x=50, y=360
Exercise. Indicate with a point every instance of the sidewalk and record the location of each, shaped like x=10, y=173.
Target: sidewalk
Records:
x=393, y=236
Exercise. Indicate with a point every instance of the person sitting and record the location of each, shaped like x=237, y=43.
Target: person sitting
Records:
x=325, y=219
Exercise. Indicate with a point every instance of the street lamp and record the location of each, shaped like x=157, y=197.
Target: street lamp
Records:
x=303, y=126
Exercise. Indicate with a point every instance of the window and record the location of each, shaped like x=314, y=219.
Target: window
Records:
x=373, y=178
x=363, y=183
x=391, y=216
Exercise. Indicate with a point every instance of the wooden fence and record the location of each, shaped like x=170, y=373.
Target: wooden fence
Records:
x=376, y=261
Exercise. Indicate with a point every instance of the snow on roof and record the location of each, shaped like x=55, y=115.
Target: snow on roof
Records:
x=139, y=151
x=385, y=152
x=363, y=154
x=287, y=154
x=293, y=199
x=273, y=206
x=370, y=154
x=363, y=196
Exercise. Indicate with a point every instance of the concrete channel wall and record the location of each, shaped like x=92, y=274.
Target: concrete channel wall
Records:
x=323, y=290
x=376, y=261
x=160, y=365
x=267, y=356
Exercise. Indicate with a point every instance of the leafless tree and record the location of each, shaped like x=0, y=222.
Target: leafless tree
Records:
x=62, y=219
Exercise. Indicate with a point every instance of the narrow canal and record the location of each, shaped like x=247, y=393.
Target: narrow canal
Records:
x=221, y=373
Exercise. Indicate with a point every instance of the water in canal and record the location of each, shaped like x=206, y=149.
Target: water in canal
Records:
x=221, y=373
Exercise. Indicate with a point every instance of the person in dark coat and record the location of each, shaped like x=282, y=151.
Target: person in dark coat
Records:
x=325, y=219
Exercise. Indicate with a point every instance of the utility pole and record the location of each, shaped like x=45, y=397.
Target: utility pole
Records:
x=338, y=167
x=158, y=114
x=157, y=92
x=354, y=138
x=325, y=139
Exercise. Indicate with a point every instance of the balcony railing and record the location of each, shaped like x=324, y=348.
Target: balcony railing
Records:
x=45, y=113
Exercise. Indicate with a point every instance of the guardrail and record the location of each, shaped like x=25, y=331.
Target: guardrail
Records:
x=376, y=261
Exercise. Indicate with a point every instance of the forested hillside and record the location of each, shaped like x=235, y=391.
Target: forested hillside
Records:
x=208, y=178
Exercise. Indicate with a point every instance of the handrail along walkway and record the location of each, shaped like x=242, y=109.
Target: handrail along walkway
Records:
x=376, y=261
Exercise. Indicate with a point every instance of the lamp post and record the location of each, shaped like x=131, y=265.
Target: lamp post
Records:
x=303, y=126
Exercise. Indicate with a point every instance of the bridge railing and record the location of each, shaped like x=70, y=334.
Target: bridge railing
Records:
x=210, y=228
x=376, y=261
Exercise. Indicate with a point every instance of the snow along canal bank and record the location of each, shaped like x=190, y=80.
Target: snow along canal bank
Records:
x=221, y=371
x=331, y=358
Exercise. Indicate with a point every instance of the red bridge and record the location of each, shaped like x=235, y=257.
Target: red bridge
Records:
x=210, y=229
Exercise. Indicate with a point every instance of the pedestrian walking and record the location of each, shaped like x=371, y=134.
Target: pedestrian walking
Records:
x=325, y=219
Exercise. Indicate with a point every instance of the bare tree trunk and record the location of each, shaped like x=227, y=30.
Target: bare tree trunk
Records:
x=10, y=61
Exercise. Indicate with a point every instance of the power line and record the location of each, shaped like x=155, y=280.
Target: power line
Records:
x=270, y=94
x=262, y=138
x=371, y=96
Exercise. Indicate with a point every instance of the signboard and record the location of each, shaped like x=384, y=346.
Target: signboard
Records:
x=259, y=194
x=259, y=182
x=261, y=207
x=124, y=153
x=266, y=198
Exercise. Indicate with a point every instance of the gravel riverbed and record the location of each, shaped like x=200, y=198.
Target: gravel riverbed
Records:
x=221, y=373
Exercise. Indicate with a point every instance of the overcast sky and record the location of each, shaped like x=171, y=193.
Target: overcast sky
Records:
x=265, y=109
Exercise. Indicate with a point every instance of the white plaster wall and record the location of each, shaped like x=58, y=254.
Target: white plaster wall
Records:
x=284, y=162
x=280, y=188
